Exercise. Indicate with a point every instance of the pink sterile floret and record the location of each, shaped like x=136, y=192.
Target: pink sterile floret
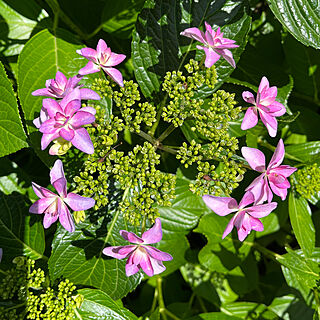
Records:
x=140, y=254
x=54, y=206
x=215, y=45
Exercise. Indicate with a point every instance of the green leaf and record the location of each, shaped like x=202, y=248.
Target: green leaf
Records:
x=213, y=316
x=158, y=47
x=221, y=255
x=301, y=221
x=16, y=28
x=98, y=305
x=78, y=256
x=300, y=18
x=21, y=233
x=300, y=272
x=44, y=55
x=12, y=136
x=308, y=152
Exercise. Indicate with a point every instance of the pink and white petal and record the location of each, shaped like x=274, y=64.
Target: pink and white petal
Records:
x=247, y=199
x=194, y=33
x=281, y=192
x=42, y=192
x=37, y=122
x=146, y=265
x=209, y=29
x=61, y=186
x=270, y=122
x=88, y=94
x=261, y=210
x=61, y=79
x=250, y=119
x=277, y=156
x=268, y=97
x=279, y=180
x=157, y=266
x=227, y=55
x=41, y=205
x=157, y=254
x=247, y=96
x=209, y=38
x=52, y=107
x=72, y=107
x=47, y=138
x=154, y=234
x=229, y=227
x=89, y=109
x=82, y=141
x=118, y=252
x=257, y=188
x=243, y=233
x=43, y=92
x=67, y=133
x=48, y=126
x=65, y=217
x=130, y=236
x=101, y=47
x=284, y=170
x=255, y=158
x=222, y=206
x=73, y=82
x=78, y=203
x=82, y=118
x=131, y=268
x=71, y=95
x=49, y=219
x=115, y=75
x=88, y=53
x=90, y=67
x=115, y=59
x=277, y=109
x=264, y=84
x=57, y=171
x=211, y=57
x=256, y=224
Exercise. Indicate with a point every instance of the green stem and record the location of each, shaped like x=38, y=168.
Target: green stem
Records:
x=167, y=149
x=155, y=125
x=3, y=272
x=146, y=136
x=268, y=253
x=143, y=227
x=202, y=305
x=171, y=315
x=154, y=302
x=166, y=132
x=162, y=308
x=16, y=306
x=77, y=314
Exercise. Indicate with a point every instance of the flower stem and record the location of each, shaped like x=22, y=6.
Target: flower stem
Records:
x=162, y=308
x=166, y=132
x=171, y=315
x=143, y=226
x=146, y=136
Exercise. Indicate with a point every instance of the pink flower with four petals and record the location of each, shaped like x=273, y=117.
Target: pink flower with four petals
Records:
x=267, y=106
x=102, y=58
x=245, y=219
x=54, y=206
x=274, y=175
x=66, y=119
x=139, y=254
x=61, y=86
x=215, y=45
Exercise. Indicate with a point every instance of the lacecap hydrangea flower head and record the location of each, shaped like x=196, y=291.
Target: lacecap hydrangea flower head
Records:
x=54, y=206
x=140, y=255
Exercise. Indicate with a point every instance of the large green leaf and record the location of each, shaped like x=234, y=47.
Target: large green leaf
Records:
x=21, y=233
x=308, y=152
x=301, y=18
x=158, y=47
x=44, y=55
x=12, y=136
x=301, y=221
x=98, y=305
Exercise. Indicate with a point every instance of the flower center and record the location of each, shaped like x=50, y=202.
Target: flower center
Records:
x=61, y=120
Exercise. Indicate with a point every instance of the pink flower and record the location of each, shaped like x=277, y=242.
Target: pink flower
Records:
x=54, y=206
x=215, y=45
x=267, y=106
x=275, y=175
x=66, y=120
x=245, y=219
x=102, y=58
x=61, y=86
x=140, y=255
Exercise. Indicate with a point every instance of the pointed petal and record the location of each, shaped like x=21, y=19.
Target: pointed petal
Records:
x=78, y=203
x=48, y=126
x=41, y=205
x=65, y=217
x=261, y=210
x=88, y=94
x=157, y=266
x=247, y=199
x=52, y=107
x=89, y=109
x=277, y=156
x=146, y=265
x=48, y=220
x=220, y=205
x=114, y=74
x=281, y=192
x=194, y=33
x=81, y=118
x=57, y=171
x=42, y=192
x=256, y=224
x=211, y=57
x=131, y=268
x=73, y=82
x=154, y=234
x=257, y=188
x=279, y=180
x=250, y=119
x=255, y=158
x=248, y=97
x=82, y=141
x=118, y=252
x=90, y=67
x=72, y=107
x=270, y=122
x=43, y=92
x=47, y=138
x=157, y=254
x=88, y=53
x=227, y=55
x=115, y=59
x=61, y=79
x=130, y=236
x=61, y=186
x=67, y=133
x=279, y=108
x=70, y=97
x=229, y=227
x=264, y=83
x=284, y=170
x=101, y=47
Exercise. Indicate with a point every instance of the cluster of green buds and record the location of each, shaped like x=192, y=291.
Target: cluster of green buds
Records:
x=25, y=286
x=308, y=181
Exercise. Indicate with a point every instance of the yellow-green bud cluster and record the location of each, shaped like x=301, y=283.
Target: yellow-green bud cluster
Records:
x=189, y=154
x=10, y=314
x=308, y=181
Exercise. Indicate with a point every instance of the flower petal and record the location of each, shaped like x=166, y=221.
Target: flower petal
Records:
x=118, y=252
x=194, y=33
x=49, y=219
x=247, y=199
x=88, y=94
x=261, y=210
x=52, y=107
x=211, y=57
x=229, y=227
x=264, y=84
x=61, y=186
x=255, y=158
x=48, y=126
x=82, y=118
x=284, y=170
x=146, y=265
x=61, y=79
x=131, y=268
x=78, y=203
x=41, y=205
x=270, y=122
x=71, y=96
x=88, y=53
x=157, y=266
x=67, y=133
x=90, y=67
x=82, y=141
x=154, y=234
x=247, y=96
x=114, y=74
x=57, y=171
x=220, y=205
x=279, y=181
x=250, y=119
x=115, y=59
x=89, y=109
x=256, y=224
x=65, y=217
x=130, y=236
x=42, y=192
x=72, y=107
x=43, y=92
x=227, y=55
x=281, y=192
x=47, y=138
x=277, y=156
x=157, y=254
